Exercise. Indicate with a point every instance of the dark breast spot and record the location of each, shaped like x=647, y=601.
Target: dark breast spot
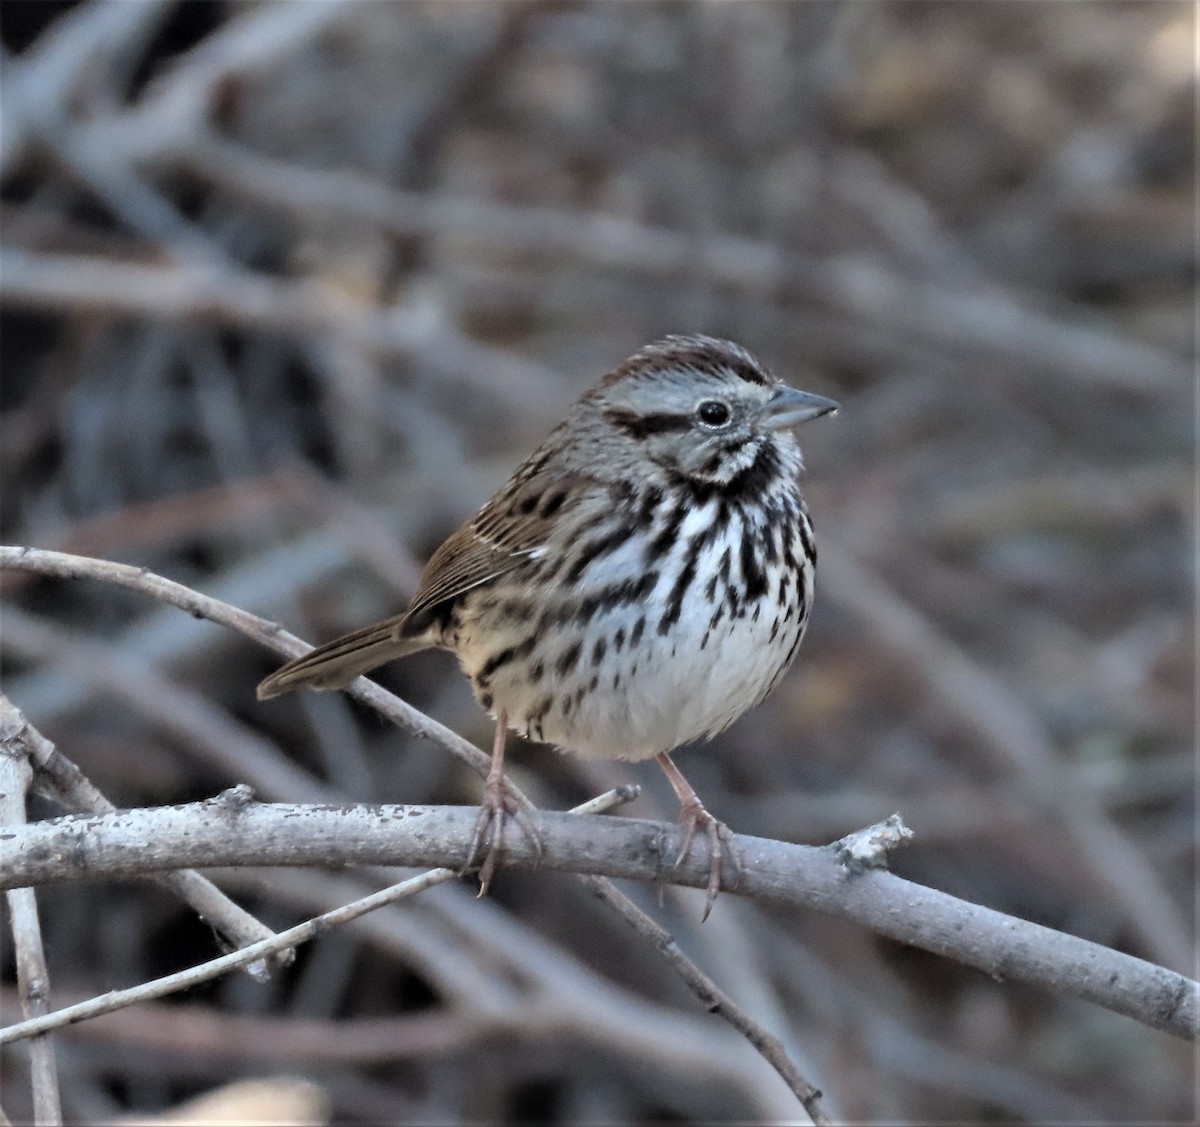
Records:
x=753, y=574
x=597, y=548
x=503, y=657
x=569, y=659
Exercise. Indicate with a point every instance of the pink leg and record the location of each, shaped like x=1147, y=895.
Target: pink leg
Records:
x=692, y=813
x=493, y=813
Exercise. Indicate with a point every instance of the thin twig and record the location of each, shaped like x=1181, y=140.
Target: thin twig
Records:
x=33, y=977
x=715, y=999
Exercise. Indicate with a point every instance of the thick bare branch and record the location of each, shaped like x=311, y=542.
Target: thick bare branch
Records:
x=236, y=833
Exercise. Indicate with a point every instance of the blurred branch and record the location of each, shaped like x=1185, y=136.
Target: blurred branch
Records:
x=209, y=732
x=970, y=317
x=482, y=960
x=906, y=1048
x=43, y=78
x=246, y=833
x=33, y=977
x=178, y=103
x=242, y=299
x=1060, y=501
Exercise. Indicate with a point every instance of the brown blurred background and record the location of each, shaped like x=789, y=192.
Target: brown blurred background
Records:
x=288, y=289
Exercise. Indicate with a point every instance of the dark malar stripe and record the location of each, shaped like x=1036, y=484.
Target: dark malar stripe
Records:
x=750, y=484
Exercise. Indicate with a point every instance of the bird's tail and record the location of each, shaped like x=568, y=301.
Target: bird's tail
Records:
x=335, y=664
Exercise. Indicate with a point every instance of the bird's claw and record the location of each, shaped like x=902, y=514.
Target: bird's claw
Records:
x=494, y=811
x=721, y=846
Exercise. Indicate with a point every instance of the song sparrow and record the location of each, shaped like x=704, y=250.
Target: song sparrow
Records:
x=643, y=578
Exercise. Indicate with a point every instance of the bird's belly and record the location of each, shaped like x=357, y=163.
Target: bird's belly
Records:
x=688, y=684
x=633, y=683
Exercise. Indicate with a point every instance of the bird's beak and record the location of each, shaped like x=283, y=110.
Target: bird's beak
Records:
x=788, y=407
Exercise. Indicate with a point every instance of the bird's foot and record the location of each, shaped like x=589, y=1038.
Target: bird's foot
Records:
x=694, y=815
x=494, y=811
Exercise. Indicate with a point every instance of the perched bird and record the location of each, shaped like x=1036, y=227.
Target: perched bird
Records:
x=642, y=579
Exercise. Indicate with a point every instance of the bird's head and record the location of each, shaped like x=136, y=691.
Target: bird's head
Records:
x=700, y=408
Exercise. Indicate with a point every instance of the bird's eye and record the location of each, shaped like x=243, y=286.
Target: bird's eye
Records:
x=713, y=413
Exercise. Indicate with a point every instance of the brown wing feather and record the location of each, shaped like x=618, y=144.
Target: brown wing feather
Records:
x=502, y=536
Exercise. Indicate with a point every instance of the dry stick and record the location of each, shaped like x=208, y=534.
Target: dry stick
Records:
x=33, y=978
x=389, y=705
x=1015, y=738
x=292, y=937
x=67, y=784
x=235, y=831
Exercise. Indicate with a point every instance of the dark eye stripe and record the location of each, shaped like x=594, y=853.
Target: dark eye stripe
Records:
x=640, y=426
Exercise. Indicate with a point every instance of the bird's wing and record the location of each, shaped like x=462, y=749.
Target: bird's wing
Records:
x=510, y=530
